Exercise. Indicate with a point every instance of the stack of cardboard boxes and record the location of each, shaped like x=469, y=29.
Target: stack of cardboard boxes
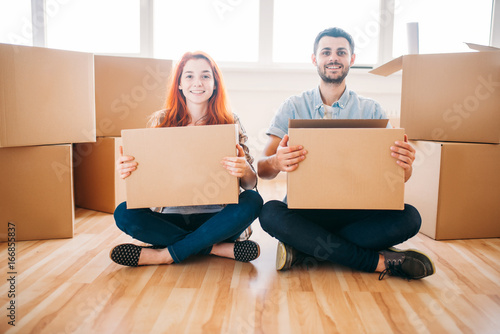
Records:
x=127, y=91
x=450, y=108
x=47, y=103
x=49, y=99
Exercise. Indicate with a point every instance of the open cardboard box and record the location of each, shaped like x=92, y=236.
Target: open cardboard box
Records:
x=348, y=166
x=37, y=192
x=180, y=166
x=449, y=97
x=98, y=185
x=47, y=96
x=456, y=189
x=127, y=91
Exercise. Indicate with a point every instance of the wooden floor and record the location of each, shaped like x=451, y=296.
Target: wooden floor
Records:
x=71, y=286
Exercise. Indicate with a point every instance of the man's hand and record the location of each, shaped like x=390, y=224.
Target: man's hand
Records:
x=279, y=157
x=404, y=154
x=288, y=157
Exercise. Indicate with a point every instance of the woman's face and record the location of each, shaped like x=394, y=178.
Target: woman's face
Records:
x=197, y=82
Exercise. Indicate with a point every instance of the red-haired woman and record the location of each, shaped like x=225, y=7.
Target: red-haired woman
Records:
x=197, y=96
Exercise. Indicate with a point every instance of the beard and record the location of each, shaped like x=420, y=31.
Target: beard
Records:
x=335, y=80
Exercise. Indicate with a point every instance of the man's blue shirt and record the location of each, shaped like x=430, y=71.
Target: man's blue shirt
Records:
x=309, y=105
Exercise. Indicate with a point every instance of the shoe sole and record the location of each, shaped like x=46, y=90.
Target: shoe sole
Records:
x=126, y=254
x=246, y=251
x=281, y=257
x=396, y=250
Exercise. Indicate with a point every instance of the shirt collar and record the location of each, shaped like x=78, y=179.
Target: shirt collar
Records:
x=341, y=103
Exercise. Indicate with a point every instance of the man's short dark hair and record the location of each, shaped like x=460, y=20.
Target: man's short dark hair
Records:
x=334, y=32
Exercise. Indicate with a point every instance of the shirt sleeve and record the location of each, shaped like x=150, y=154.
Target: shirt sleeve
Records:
x=243, y=138
x=381, y=114
x=156, y=119
x=279, y=124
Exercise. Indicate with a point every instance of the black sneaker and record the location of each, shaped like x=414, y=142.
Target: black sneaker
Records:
x=409, y=264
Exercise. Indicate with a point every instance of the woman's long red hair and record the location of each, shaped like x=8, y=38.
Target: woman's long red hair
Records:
x=175, y=113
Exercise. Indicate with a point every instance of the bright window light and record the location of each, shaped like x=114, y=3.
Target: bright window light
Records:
x=297, y=22
x=228, y=30
x=15, y=22
x=111, y=26
x=444, y=26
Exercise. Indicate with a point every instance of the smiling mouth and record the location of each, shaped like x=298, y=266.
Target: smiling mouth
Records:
x=333, y=67
x=197, y=91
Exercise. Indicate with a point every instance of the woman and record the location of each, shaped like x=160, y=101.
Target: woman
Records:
x=196, y=96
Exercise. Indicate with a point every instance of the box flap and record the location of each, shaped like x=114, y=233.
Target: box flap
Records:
x=389, y=67
x=336, y=123
x=461, y=100
x=480, y=47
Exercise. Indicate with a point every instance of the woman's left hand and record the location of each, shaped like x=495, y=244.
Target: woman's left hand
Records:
x=236, y=166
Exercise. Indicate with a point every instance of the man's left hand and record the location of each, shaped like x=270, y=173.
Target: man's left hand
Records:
x=404, y=154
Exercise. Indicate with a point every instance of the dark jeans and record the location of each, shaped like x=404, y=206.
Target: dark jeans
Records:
x=185, y=235
x=348, y=237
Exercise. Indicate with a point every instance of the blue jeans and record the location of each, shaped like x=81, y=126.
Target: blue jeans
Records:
x=185, y=235
x=349, y=237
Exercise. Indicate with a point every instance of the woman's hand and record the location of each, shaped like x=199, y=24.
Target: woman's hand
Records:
x=125, y=164
x=238, y=166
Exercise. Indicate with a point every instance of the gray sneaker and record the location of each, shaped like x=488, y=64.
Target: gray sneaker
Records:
x=285, y=256
x=409, y=264
x=246, y=234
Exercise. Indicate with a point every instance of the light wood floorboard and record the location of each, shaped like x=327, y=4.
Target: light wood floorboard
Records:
x=71, y=286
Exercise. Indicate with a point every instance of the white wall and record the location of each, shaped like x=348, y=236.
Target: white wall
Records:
x=256, y=94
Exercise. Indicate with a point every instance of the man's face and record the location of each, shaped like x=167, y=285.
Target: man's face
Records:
x=333, y=59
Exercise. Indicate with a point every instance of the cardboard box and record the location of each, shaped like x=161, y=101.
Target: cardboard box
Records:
x=37, y=192
x=128, y=90
x=98, y=185
x=47, y=96
x=456, y=189
x=345, y=168
x=180, y=166
x=449, y=97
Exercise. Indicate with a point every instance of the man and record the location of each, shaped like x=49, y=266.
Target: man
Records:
x=360, y=239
